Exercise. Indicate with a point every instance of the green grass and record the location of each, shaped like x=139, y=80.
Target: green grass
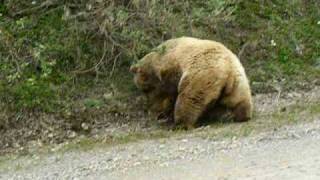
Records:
x=292, y=26
x=264, y=122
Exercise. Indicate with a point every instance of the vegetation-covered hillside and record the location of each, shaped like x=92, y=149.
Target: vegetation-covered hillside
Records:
x=66, y=62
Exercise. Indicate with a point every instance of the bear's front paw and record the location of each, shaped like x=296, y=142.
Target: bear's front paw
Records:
x=165, y=119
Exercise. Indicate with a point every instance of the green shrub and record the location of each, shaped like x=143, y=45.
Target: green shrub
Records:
x=49, y=50
x=37, y=54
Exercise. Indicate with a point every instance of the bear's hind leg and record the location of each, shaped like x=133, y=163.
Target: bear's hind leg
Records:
x=189, y=107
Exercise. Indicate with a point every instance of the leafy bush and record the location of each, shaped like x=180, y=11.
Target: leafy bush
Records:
x=280, y=34
x=49, y=46
x=38, y=53
x=130, y=28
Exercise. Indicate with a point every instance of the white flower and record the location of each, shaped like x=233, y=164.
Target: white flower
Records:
x=273, y=43
x=34, y=2
x=318, y=22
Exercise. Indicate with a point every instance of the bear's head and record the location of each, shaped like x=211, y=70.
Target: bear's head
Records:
x=144, y=73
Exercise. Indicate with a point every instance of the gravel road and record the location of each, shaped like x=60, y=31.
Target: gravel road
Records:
x=289, y=153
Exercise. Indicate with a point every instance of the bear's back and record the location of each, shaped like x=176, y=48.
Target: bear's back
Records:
x=193, y=53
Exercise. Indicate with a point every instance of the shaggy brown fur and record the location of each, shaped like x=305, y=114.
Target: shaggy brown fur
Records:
x=196, y=74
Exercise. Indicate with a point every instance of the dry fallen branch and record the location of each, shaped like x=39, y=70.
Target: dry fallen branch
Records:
x=114, y=64
x=44, y=5
x=95, y=67
x=243, y=48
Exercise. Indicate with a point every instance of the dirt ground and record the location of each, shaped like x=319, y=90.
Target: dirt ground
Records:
x=274, y=152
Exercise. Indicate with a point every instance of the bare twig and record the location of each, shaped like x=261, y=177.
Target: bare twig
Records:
x=14, y=57
x=277, y=100
x=243, y=48
x=46, y=4
x=113, y=41
x=96, y=66
x=114, y=64
x=188, y=14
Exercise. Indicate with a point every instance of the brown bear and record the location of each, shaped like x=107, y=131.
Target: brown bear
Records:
x=189, y=75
